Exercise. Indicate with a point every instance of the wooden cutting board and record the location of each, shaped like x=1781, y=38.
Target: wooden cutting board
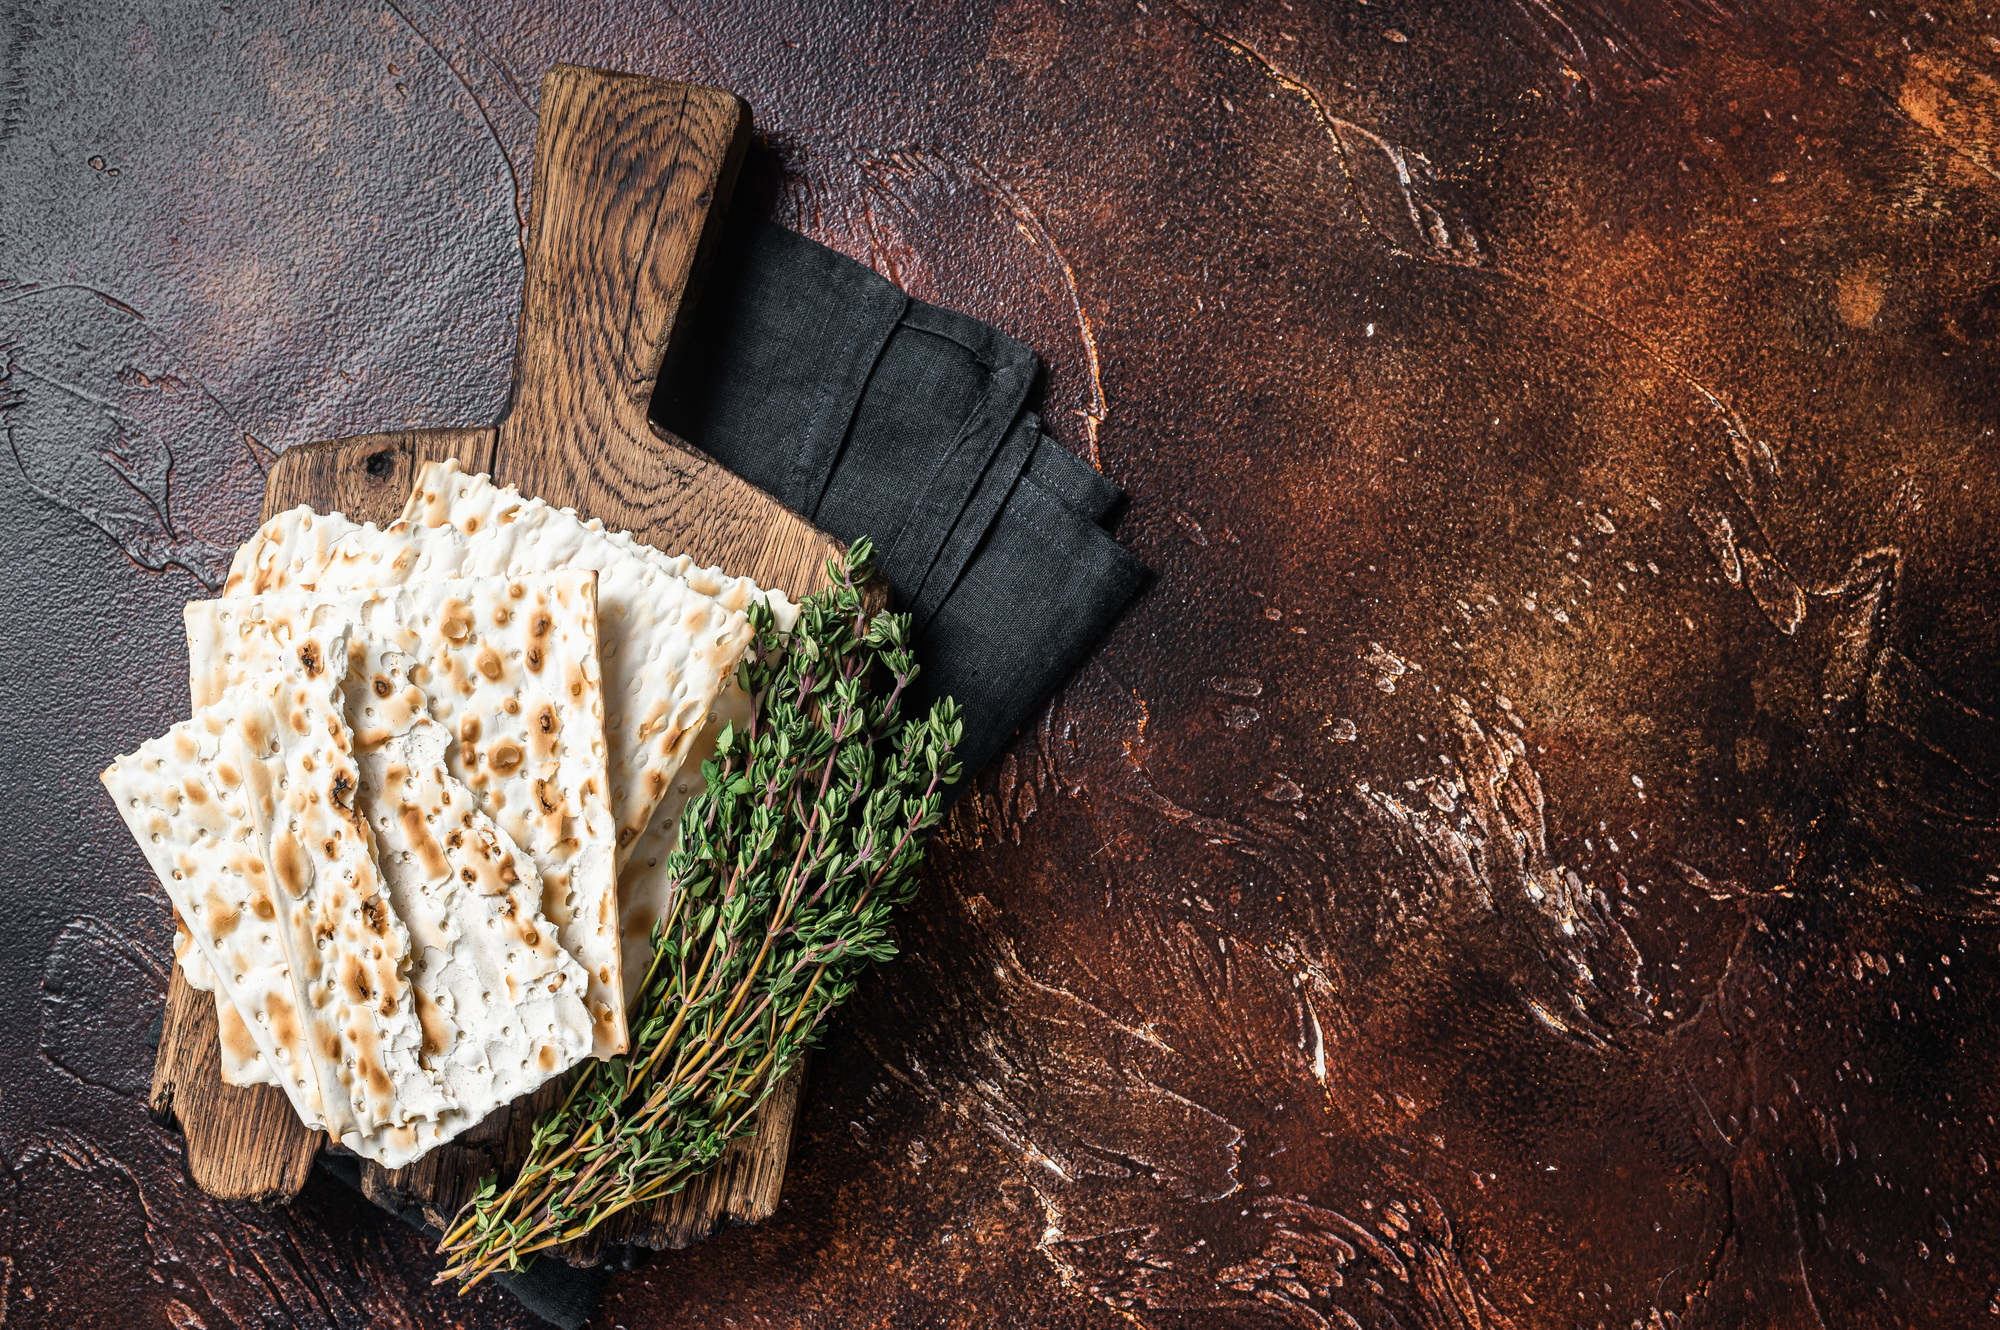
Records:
x=628, y=173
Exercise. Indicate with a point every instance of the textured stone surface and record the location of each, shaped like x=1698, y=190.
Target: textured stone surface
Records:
x=1529, y=861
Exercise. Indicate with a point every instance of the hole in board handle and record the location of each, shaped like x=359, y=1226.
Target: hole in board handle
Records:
x=381, y=464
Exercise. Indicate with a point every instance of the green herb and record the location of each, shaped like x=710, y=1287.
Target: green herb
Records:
x=790, y=864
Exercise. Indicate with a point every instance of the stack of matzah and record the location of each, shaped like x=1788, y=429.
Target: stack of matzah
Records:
x=414, y=830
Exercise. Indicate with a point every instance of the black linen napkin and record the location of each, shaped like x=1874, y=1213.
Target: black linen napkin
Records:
x=560, y=1294
x=872, y=413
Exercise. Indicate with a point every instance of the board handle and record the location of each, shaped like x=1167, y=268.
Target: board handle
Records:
x=628, y=173
x=631, y=174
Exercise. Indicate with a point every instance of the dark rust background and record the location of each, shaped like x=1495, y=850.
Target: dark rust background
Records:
x=1529, y=862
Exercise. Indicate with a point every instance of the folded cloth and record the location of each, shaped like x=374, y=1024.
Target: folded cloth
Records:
x=560, y=1294
x=872, y=413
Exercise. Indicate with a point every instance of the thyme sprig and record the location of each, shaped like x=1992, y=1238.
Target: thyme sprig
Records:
x=790, y=864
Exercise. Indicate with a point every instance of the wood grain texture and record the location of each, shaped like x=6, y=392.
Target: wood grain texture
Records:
x=369, y=476
x=243, y=1144
x=627, y=172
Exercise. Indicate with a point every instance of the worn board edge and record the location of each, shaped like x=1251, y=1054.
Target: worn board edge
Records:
x=241, y=1144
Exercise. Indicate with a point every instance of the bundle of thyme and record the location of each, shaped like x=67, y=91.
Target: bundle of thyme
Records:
x=807, y=836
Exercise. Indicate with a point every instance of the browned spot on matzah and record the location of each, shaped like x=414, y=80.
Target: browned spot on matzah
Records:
x=437, y=1029
x=289, y=862
x=455, y=621
x=504, y=757
x=222, y=916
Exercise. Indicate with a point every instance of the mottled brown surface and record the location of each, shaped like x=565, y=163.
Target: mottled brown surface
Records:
x=1629, y=362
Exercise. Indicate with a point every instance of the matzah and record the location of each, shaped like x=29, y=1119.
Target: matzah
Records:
x=500, y=1002
x=510, y=665
x=658, y=686
x=456, y=521
x=447, y=495
x=488, y=517
x=347, y=952
x=183, y=798
x=644, y=889
x=288, y=551
x=665, y=646
x=246, y=814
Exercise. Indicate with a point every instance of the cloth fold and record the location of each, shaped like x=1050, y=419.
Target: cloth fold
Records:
x=873, y=413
